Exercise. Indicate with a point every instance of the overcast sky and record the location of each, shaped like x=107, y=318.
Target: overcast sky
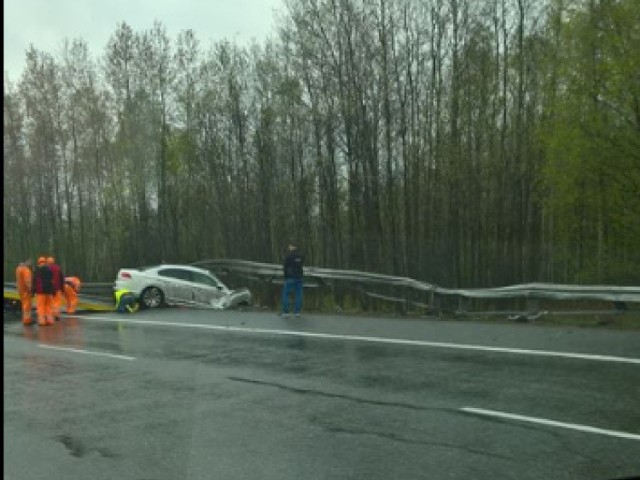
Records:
x=46, y=23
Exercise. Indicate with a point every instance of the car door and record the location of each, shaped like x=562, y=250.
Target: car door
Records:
x=178, y=285
x=208, y=291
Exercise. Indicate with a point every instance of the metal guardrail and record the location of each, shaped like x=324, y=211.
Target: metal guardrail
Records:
x=530, y=290
x=401, y=290
x=551, y=291
x=98, y=290
x=98, y=300
x=269, y=270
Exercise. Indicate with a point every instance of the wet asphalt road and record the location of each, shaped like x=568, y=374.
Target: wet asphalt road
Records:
x=168, y=398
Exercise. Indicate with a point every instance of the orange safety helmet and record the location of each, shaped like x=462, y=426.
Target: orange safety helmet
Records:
x=51, y=260
x=42, y=261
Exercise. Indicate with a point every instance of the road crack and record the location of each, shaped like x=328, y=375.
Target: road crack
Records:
x=320, y=393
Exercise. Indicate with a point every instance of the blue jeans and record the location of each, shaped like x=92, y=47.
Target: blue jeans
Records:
x=128, y=304
x=294, y=284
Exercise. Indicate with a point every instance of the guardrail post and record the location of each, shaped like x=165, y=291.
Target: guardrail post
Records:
x=434, y=302
x=462, y=304
x=620, y=306
x=405, y=304
x=364, y=299
x=271, y=293
x=338, y=295
x=533, y=305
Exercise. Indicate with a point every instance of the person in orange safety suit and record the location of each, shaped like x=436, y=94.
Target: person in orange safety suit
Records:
x=44, y=290
x=23, y=285
x=58, y=286
x=71, y=289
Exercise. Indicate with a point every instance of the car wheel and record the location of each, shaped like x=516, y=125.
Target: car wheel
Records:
x=152, y=297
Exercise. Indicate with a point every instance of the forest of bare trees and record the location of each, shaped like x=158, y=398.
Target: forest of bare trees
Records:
x=461, y=142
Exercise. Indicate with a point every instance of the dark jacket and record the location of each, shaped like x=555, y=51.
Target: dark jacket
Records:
x=293, y=265
x=43, y=280
x=58, y=277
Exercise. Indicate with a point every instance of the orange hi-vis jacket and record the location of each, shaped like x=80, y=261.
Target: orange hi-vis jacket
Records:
x=23, y=279
x=73, y=282
x=71, y=289
x=24, y=285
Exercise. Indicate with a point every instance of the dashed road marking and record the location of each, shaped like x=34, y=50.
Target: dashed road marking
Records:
x=75, y=350
x=551, y=423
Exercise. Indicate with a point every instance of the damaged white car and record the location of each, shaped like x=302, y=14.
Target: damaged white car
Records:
x=179, y=285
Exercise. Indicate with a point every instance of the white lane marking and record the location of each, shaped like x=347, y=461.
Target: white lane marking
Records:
x=75, y=350
x=392, y=341
x=552, y=423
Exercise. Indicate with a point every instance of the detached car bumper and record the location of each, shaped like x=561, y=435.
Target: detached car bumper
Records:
x=235, y=299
